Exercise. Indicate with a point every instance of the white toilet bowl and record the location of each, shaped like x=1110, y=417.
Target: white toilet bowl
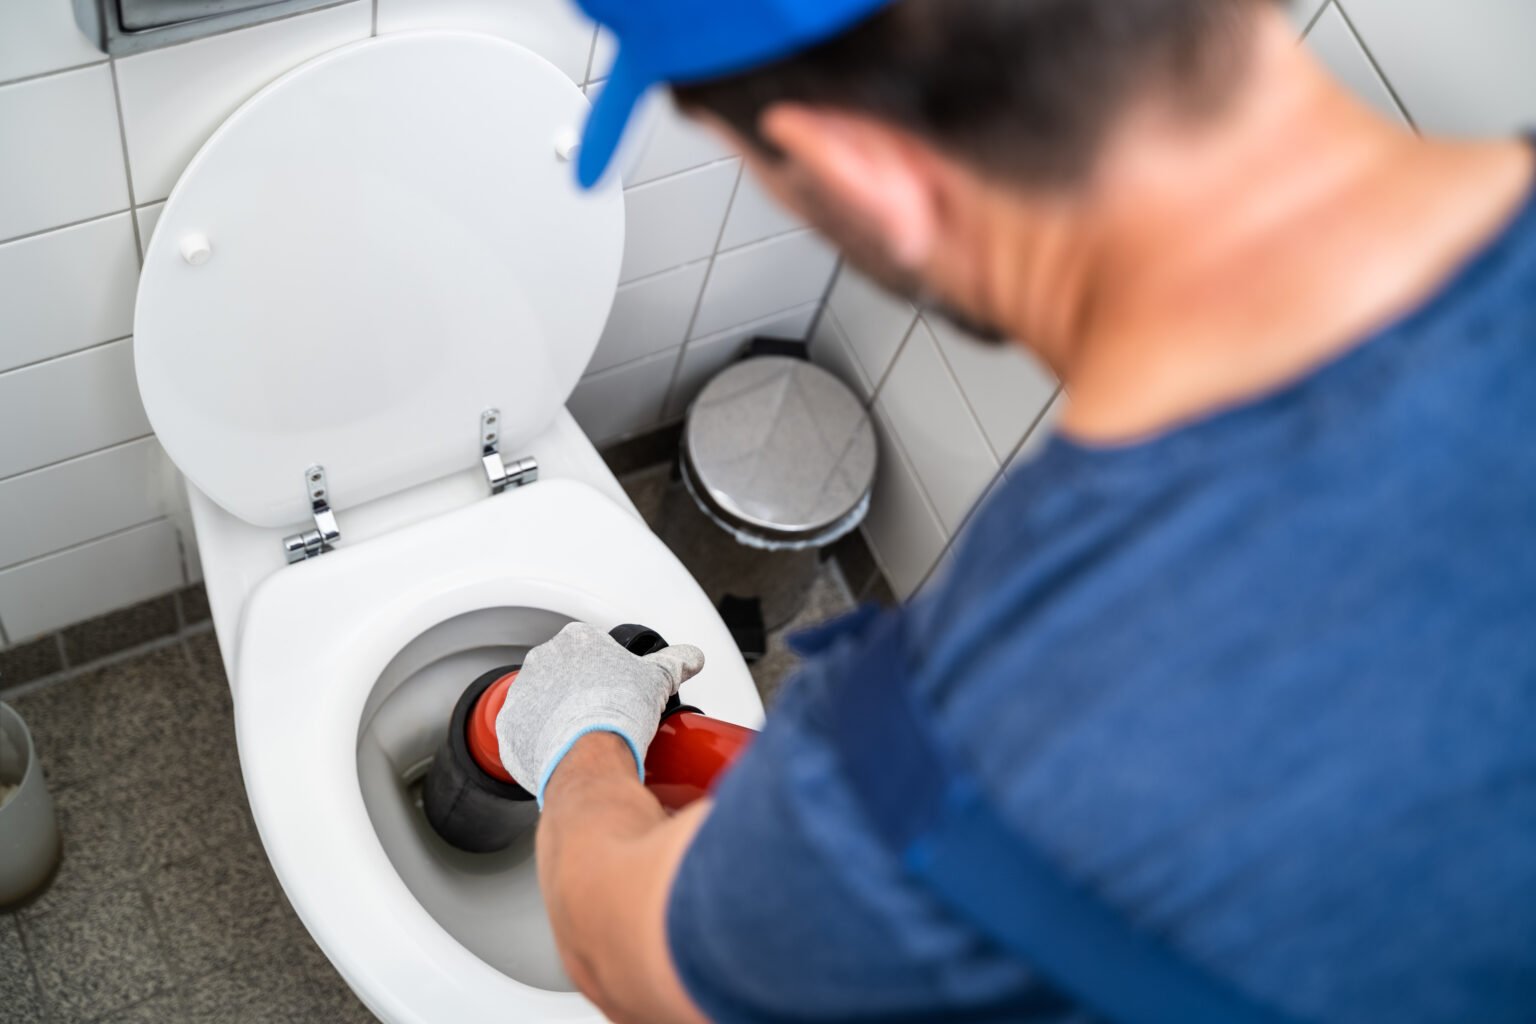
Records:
x=373, y=260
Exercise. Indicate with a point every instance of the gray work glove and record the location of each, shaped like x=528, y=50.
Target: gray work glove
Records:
x=580, y=682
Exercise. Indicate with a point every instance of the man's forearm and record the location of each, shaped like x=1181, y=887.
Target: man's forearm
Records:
x=607, y=855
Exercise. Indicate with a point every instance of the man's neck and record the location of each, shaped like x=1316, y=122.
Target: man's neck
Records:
x=1211, y=264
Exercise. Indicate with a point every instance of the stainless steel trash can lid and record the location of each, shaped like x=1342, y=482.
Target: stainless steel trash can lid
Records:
x=781, y=453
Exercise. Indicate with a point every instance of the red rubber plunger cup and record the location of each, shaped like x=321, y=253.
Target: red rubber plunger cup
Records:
x=483, y=745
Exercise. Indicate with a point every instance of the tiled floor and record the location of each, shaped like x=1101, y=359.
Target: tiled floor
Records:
x=164, y=909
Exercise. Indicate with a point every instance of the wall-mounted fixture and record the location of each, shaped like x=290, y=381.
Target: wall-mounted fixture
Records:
x=120, y=27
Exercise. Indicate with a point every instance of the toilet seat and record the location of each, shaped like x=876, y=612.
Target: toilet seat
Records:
x=373, y=251
x=316, y=639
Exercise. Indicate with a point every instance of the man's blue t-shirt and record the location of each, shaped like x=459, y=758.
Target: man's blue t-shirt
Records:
x=1267, y=684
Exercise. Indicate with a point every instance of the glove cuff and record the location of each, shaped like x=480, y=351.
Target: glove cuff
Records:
x=565, y=748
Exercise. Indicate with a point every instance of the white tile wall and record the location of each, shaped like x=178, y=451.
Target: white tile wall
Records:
x=903, y=530
x=60, y=157
x=96, y=494
x=147, y=216
x=677, y=220
x=1461, y=67
x=937, y=429
x=624, y=401
x=1337, y=47
x=650, y=316
x=1039, y=433
x=53, y=592
x=874, y=322
x=755, y=215
x=38, y=36
x=96, y=263
x=1004, y=385
x=758, y=280
x=68, y=406
x=831, y=350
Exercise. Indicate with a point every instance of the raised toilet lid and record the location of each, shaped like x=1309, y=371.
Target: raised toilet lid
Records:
x=367, y=255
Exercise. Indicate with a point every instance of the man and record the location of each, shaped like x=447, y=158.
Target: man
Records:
x=1239, y=674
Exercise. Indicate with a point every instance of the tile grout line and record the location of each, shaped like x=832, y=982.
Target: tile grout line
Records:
x=28, y=235
x=1397, y=101
x=24, y=79
x=58, y=641
x=1036, y=425
x=122, y=138
x=172, y=980
x=586, y=79
x=777, y=236
x=91, y=540
x=677, y=367
x=62, y=355
x=1317, y=16
x=48, y=682
x=83, y=455
x=1001, y=478
x=965, y=399
x=37, y=979
x=643, y=278
x=826, y=300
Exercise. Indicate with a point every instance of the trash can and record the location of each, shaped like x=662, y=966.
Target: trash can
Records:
x=29, y=832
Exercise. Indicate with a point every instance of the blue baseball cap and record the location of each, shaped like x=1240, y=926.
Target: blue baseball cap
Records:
x=693, y=41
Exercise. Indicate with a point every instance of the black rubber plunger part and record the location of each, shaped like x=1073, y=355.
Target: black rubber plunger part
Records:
x=468, y=808
x=472, y=810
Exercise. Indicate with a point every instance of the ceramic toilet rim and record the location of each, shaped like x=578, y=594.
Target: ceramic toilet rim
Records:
x=302, y=769
x=328, y=775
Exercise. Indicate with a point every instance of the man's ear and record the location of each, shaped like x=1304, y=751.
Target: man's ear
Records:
x=865, y=167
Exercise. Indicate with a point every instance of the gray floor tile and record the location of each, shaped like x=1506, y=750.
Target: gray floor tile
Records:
x=29, y=661
x=327, y=995
x=244, y=996
x=53, y=716
x=194, y=604
x=129, y=720
x=19, y=995
x=96, y=954
x=218, y=909
x=828, y=598
x=163, y=1009
x=203, y=810
x=208, y=669
x=121, y=630
x=101, y=847
x=721, y=565
x=648, y=489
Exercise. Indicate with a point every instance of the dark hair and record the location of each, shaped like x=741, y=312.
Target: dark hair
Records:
x=1022, y=88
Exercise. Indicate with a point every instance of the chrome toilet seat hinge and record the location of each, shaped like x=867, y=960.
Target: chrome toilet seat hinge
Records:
x=313, y=543
x=498, y=473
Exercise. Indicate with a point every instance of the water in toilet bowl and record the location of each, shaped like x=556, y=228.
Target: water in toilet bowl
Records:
x=490, y=903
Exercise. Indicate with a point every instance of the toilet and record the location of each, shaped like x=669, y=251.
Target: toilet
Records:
x=363, y=310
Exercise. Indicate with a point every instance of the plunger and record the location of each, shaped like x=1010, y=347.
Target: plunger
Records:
x=472, y=801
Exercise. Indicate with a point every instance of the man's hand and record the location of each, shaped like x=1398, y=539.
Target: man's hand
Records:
x=583, y=682
x=607, y=856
